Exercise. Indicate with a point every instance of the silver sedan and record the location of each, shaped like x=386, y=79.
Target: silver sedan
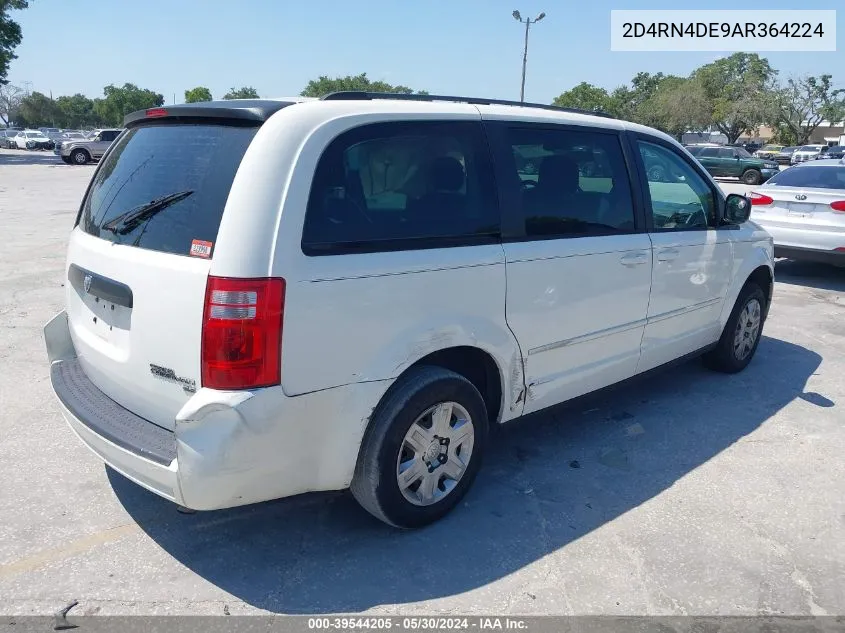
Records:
x=803, y=208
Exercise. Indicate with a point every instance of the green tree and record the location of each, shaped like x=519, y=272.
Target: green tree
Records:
x=739, y=89
x=120, y=101
x=324, y=85
x=679, y=105
x=247, y=92
x=77, y=111
x=586, y=96
x=629, y=102
x=36, y=110
x=10, y=35
x=195, y=95
x=802, y=104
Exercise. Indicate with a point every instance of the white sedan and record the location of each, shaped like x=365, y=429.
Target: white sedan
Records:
x=803, y=208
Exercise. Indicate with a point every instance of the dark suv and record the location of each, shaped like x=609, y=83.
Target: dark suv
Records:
x=735, y=162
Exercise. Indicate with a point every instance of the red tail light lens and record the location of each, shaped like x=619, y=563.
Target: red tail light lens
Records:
x=758, y=199
x=156, y=112
x=839, y=205
x=242, y=333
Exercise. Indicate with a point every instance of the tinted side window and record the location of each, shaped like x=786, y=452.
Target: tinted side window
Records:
x=709, y=152
x=108, y=136
x=727, y=152
x=574, y=183
x=683, y=201
x=402, y=186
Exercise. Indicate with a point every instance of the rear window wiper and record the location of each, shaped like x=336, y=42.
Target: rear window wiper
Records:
x=126, y=222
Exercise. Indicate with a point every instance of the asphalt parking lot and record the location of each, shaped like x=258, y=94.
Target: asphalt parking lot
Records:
x=691, y=493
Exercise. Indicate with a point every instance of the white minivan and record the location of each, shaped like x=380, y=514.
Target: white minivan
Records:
x=270, y=297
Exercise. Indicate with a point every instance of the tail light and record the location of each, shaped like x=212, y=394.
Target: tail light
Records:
x=242, y=333
x=839, y=205
x=152, y=113
x=758, y=199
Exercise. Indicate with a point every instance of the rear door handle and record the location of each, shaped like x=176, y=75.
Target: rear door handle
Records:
x=667, y=254
x=634, y=259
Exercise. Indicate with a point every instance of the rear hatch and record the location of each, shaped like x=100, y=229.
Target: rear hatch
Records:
x=139, y=258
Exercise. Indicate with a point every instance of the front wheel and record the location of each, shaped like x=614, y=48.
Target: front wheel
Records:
x=752, y=177
x=422, y=449
x=742, y=332
x=79, y=157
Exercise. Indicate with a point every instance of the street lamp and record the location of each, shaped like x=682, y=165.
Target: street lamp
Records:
x=528, y=22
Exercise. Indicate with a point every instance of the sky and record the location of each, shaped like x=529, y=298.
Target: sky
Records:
x=459, y=47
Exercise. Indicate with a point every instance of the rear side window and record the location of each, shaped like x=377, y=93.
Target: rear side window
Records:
x=163, y=187
x=402, y=186
x=815, y=177
x=574, y=183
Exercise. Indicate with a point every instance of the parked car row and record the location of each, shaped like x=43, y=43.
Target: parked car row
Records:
x=25, y=139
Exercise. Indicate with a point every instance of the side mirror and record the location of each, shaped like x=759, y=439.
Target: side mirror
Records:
x=737, y=208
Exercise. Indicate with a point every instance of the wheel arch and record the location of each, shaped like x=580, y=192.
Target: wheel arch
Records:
x=474, y=364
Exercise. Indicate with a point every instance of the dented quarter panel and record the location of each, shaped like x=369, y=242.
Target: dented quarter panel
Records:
x=235, y=448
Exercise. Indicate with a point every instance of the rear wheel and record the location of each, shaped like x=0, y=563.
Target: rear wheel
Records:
x=79, y=157
x=752, y=177
x=742, y=332
x=423, y=448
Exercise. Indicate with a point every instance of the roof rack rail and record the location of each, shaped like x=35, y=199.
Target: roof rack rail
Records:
x=360, y=95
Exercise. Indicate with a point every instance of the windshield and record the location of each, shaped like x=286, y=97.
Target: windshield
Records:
x=808, y=148
x=164, y=186
x=813, y=177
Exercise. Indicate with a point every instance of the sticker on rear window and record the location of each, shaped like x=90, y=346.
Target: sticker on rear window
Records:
x=199, y=248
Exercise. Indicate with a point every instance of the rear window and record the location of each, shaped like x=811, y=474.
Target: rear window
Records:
x=163, y=187
x=816, y=177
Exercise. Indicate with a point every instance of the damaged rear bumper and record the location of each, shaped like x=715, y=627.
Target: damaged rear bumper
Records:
x=227, y=448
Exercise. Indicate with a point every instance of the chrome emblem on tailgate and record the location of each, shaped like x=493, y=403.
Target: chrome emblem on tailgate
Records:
x=86, y=283
x=800, y=196
x=188, y=385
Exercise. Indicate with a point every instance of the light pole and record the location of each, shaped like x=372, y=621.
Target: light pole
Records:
x=528, y=22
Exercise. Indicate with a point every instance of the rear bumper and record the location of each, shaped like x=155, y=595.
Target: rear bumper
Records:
x=811, y=255
x=804, y=242
x=228, y=448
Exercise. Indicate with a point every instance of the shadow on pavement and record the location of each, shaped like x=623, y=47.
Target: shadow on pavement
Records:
x=544, y=484
x=24, y=157
x=810, y=274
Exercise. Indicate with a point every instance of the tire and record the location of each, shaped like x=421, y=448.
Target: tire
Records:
x=752, y=177
x=386, y=448
x=726, y=357
x=79, y=157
